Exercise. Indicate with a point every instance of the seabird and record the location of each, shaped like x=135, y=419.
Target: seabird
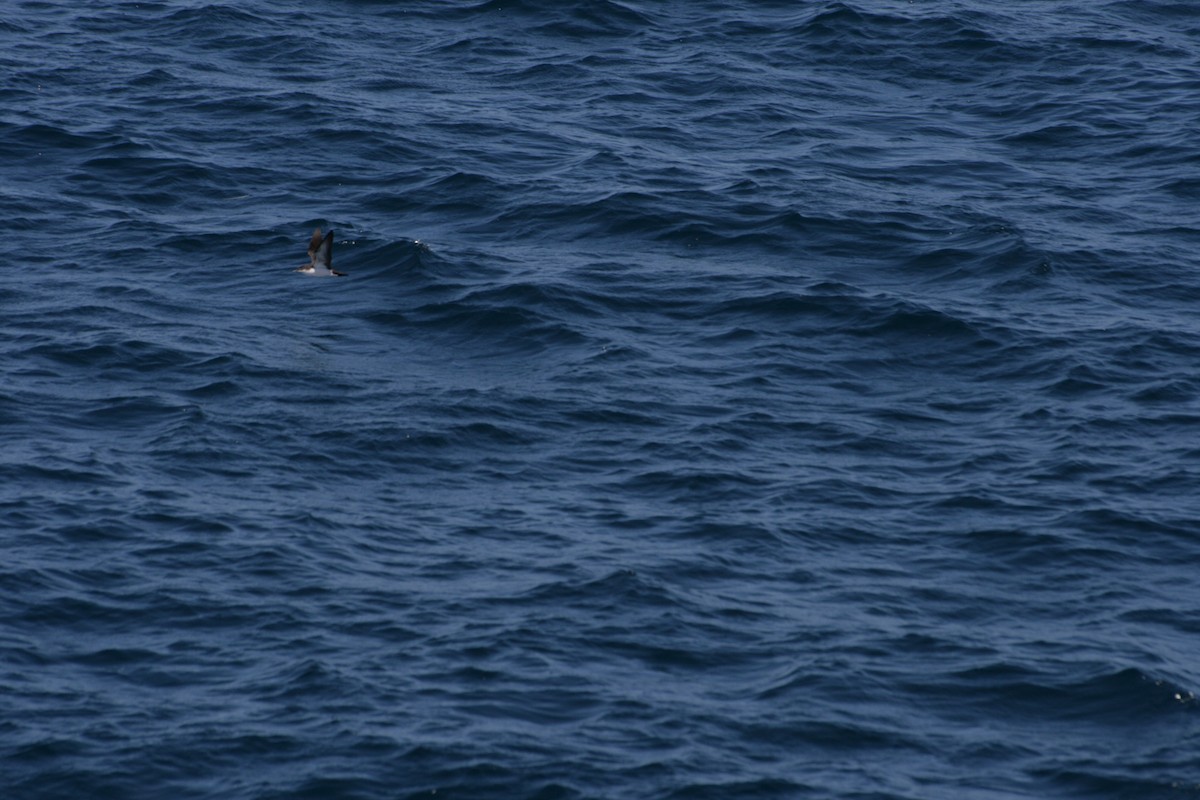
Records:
x=320, y=254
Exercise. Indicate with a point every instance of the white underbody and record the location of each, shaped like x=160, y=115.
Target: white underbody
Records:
x=317, y=272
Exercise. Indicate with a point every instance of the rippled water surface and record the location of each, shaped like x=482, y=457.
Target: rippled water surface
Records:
x=726, y=400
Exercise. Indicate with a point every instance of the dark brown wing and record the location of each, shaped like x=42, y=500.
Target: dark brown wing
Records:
x=313, y=244
x=323, y=256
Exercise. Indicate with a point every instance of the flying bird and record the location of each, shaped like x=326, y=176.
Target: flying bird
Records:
x=320, y=254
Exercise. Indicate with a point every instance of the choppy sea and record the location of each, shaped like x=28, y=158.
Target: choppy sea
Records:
x=752, y=399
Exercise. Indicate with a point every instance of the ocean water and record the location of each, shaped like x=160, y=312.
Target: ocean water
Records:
x=750, y=399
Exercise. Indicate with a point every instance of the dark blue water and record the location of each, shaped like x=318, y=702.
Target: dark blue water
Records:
x=726, y=400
